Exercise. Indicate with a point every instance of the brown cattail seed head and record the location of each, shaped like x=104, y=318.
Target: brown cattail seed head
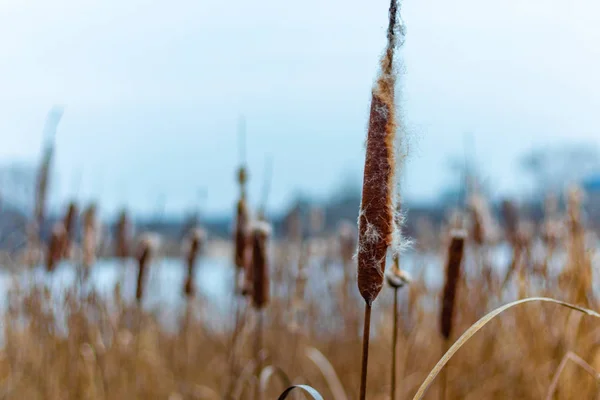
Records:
x=123, y=235
x=260, y=265
x=145, y=250
x=195, y=244
x=241, y=235
x=69, y=223
x=376, y=218
x=455, y=256
x=89, y=235
x=58, y=238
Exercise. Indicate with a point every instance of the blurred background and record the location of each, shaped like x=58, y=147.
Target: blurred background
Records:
x=154, y=91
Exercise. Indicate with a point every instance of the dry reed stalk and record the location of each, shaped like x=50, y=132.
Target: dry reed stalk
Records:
x=123, y=235
x=260, y=286
x=89, y=236
x=56, y=246
x=376, y=221
x=453, y=272
x=241, y=243
x=144, y=256
x=510, y=214
x=347, y=243
x=260, y=265
x=69, y=222
x=396, y=279
x=195, y=244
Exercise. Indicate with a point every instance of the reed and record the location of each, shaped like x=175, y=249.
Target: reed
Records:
x=56, y=246
x=260, y=287
x=90, y=235
x=453, y=272
x=70, y=223
x=196, y=241
x=144, y=256
x=376, y=217
x=396, y=279
x=123, y=235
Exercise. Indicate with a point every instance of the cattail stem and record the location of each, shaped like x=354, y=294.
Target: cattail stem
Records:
x=365, y=352
x=257, y=350
x=394, y=345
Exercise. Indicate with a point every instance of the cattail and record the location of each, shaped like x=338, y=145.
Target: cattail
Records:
x=89, y=235
x=123, y=235
x=56, y=246
x=347, y=241
x=478, y=232
x=455, y=256
x=293, y=225
x=510, y=215
x=69, y=222
x=241, y=235
x=260, y=265
x=376, y=218
x=376, y=223
x=196, y=241
x=144, y=256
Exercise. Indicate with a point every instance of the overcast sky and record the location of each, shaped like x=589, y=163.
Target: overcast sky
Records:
x=153, y=91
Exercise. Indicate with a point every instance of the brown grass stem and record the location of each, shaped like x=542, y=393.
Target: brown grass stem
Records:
x=394, y=345
x=365, y=352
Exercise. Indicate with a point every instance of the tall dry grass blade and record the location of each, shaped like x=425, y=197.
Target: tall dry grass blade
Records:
x=476, y=327
x=333, y=381
x=269, y=372
x=570, y=356
x=41, y=189
x=307, y=389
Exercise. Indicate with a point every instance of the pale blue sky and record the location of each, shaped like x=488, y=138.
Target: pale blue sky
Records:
x=153, y=90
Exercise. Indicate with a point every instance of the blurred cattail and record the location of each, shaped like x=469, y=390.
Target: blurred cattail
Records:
x=510, y=214
x=316, y=220
x=347, y=241
x=89, y=235
x=481, y=219
x=41, y=189
x=453, y=266
x=70, y=220
x=260, y=265
x=195, y=243
x=56, y=246
x=145, y=250
x=123, y=235
x=241, y=235
x=293, y=225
